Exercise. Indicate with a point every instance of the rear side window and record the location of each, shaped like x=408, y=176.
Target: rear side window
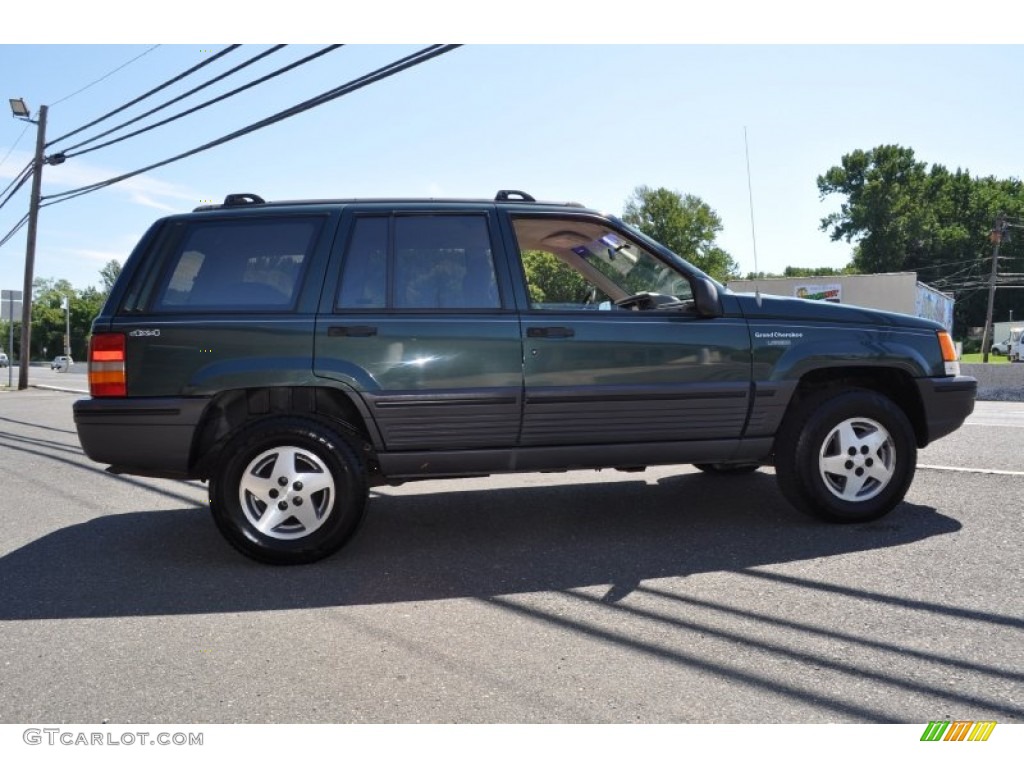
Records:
x=419, y=262
x=364, y=283
x=237, y=265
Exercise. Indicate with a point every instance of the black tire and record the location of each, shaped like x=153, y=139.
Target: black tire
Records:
x=728, y=469
x=310, y=515
x=818, y=474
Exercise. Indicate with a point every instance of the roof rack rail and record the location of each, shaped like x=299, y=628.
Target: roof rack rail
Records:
x=506, y=194
x=243, y=198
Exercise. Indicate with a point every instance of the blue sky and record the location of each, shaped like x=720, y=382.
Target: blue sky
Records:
x=563, y=122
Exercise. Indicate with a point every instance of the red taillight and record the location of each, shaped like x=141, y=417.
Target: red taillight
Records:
x=106, y=365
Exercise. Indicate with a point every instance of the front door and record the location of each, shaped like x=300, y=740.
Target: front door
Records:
x=614, y=349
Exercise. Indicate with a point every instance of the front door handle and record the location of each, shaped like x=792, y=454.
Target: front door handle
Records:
x=351, y=330
x=550, y=332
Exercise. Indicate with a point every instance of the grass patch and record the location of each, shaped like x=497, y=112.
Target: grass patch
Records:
x=976, y=357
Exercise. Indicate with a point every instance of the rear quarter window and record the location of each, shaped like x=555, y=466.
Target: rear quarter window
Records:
x=240, y=265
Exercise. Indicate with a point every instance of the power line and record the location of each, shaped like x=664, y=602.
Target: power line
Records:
x=147, y=94
x=185, y=95
x=14, y=230
x=15, y=144
x=18, y=179
x=393, y=68
x=205, y=104
x=100, y=80
x=961, y=274
x=18, y=183
x=947, y=264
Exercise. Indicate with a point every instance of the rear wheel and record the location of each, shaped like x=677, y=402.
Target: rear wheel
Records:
x=846, y=457
x=291, y=490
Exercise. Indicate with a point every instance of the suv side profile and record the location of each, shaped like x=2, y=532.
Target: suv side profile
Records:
x=295, y=354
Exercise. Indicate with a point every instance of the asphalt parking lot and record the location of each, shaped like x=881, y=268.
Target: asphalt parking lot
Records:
x=662, y=597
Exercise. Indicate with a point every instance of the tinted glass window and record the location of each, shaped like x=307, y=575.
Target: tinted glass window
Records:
x=433, y=262
x=364, y=281
x=236, y=265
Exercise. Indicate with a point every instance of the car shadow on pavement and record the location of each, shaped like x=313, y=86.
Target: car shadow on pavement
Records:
x=436, y=545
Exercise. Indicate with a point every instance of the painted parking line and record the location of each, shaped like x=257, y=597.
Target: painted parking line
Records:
x=972, y=470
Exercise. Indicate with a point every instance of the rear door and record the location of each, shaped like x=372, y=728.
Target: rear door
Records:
x=417, y=318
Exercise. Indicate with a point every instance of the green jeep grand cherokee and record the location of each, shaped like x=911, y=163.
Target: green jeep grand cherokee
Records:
x=295, y=354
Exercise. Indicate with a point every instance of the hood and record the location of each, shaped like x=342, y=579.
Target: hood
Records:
x=806, y=310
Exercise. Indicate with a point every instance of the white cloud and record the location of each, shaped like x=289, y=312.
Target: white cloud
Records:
x=93, y=255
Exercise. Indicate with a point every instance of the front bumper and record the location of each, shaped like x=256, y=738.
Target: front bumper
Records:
x=140, y=436
x=947, y=402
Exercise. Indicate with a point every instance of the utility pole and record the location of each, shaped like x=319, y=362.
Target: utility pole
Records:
x=67, y=327
x=30, y=251
x=997, y=238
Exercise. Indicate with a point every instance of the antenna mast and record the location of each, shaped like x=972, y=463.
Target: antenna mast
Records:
x=753, y=230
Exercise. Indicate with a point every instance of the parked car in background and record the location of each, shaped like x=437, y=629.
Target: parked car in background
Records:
x=61, y=363
x=1001, y=347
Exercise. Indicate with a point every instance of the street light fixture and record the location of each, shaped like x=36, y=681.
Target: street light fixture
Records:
x=21, y=110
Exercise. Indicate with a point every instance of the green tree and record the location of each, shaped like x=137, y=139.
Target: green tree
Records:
x=816, y=271
x=683, y=223
x=551, y=281
x=804, y=272
x=50, y=320
x=48, y=323
x=884, y=208
x=109, y=274
x=903, y=215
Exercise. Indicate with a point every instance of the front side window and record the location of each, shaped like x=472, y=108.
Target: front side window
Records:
x=419, y=262
x=579, y=264
x=238, y=265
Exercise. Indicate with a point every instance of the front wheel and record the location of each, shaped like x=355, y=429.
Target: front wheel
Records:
x=290, y=490
x=846, y=457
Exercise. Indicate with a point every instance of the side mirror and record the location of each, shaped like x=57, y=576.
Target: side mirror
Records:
x=705, y=298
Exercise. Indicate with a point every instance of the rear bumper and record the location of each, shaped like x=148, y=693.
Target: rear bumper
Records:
x=947, y=401
x=140, y=436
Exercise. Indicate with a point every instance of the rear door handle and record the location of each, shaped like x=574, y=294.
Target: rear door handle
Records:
x=351, y=330
x=550, y=332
